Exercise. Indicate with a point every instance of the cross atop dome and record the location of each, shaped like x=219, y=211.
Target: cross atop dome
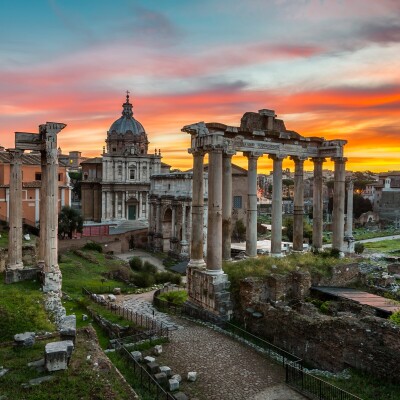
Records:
x=127, y=107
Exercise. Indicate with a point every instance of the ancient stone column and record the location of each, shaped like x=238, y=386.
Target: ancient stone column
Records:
x=214, y=237
x=338, y=203
x=140, y=205
x=115, y=205
x=349, y=211
x=15, y=216
x=226, y=206
x=276, y=224
x=298, y=213
x=52, y=273
x=251, y=225
x=42, y=209
x=318, y=203
x=103, y=206
x=158, y=233
x=173, y=221
x=196, y=245
x=184, y=242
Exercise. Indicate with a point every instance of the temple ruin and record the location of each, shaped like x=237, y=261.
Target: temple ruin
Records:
x=259, y=134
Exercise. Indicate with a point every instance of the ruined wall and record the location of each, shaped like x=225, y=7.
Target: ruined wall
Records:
x=28, y=256
x=333, y=343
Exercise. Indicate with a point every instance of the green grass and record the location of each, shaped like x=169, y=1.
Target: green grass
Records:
x=80, y=381
x=383, y=246
x=368, y=387
x=361, y=234
x=4, y=239
x=177, y=297
x=22, y=310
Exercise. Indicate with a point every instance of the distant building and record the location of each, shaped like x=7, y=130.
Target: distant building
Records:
x=73, y=159
x=31, y=183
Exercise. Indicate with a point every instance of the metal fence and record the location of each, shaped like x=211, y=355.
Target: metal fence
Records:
x=144, y=321
x=314, y=387
x=146, y=380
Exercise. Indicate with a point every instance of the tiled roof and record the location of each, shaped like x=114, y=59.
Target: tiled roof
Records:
x=27, y=159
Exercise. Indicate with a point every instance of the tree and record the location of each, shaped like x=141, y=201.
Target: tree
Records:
x=69, y=221
x=76, y=181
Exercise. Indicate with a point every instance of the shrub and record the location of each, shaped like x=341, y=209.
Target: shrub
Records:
x=395, y=317
x=136, y=263
x=177, y=297
x=359, y=248
x=143, y=280
x=149, y=268
x=93, y=246
x=335, y=253
x=119, y=272
x=168, y=276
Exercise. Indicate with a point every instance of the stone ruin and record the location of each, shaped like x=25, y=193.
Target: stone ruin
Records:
x=259, y=134
x=46, y=142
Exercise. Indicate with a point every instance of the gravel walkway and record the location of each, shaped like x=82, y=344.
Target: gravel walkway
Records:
x=225, y=368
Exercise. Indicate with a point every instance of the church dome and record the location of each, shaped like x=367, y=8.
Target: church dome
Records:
x=127, y=123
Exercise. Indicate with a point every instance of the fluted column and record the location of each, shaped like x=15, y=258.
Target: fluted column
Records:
x=338, y=203
x=251, y=223
x=214, y=236
x=349, y=211
x=276, y=224
x=42, y=209
x=52, y=273
x=298, y=213
x=15, y=220
x=226, y=206
x=196, y=245
x=184, y=242
x=317, y=203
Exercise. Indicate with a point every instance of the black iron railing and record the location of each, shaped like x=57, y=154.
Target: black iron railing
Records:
x=314, y=387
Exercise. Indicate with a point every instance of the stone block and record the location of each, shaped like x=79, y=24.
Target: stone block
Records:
x=38, y=381
x=153, y=368
x=177, y=377
x=57, y=355
x=117, y=290
x=173, y=385
x=192, y=376
x=137, y=355
x=157, y=350
x=180, y=396
x=149, y=359
x=3, y=371
x=167, y=370
x=25, y=339
x=68, y=327
x=161, y=378
x=111, y=298
x=84, y=317
x=394, y=269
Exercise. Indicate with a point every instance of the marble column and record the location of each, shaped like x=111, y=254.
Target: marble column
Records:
x=115, y=205
x=214, y=236
x=123, y=205
x=226, y=206
x=276, y=224
x=42, y=210
x=52, y=273
x=140, y=194
x=338, y=203
x=298, y=213
x=196, y=245
x=173, y=221
x=15, y=220
x=251, y=223
x=318, y=203
x=103, y=206
x=184, y=242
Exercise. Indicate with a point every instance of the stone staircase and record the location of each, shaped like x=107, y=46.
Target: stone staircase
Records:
x=129, y=225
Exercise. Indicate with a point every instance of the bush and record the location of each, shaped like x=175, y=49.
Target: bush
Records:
x=143, y=280
x=93, y=246
x=120, y=273
x=335, y=253
x=149, y=268
x=395, y=317
x=359, y=248
x=176, y=297
x=136, y=263
x=167, y=276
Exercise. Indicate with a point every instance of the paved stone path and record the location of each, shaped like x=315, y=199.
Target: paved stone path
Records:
x=226, y=369
x=144, y=255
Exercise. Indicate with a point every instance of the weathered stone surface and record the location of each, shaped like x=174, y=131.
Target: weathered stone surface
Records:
x=84, y=317
x=157, y=350
x=177, y=377
x=111, y=298
x=153, y=368
x=25, y=339
x=117, y=291
x=38, y=381
x=192, y=376
x=167, y=370
x=149, y=359
x=394, y=268
x=68, y=327
x=161, y=378
x=173, y=385
x=180, y=396
x=137, y=355
x=3, y=371
x=57, y=355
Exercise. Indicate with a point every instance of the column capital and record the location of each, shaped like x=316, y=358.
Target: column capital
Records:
x=318, y=160
x=228, y=153
x=350, y=185
x=214, y=148
x=197, y=152
x=277, y=157
x=252, y=154
x=339, y=160
x=298, y=158
x=15, y=156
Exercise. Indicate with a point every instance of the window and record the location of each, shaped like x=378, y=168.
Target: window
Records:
x=237, y=201
x=60, y=176
x=38, y=176
x=132, y=173
x=119, y=169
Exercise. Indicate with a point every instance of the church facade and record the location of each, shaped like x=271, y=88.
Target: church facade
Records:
x=115, y=187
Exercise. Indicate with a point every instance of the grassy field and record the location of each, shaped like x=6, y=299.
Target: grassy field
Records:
x=383, y=246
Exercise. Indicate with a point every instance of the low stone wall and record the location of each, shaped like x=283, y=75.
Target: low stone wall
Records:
x=342, y=275
x=370, y=343
x=25, y=274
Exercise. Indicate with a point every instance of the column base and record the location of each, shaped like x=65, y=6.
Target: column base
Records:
x=209, y=296
x=16, y=266
x=277, y=255
x=199, y=264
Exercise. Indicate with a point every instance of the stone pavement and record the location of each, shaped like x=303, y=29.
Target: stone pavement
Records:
x=144, y=255
x=226, y=368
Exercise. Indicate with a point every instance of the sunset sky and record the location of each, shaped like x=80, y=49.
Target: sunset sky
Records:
x=328, y=68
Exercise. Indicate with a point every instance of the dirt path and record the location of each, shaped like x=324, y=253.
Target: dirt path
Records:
x=144, y=255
